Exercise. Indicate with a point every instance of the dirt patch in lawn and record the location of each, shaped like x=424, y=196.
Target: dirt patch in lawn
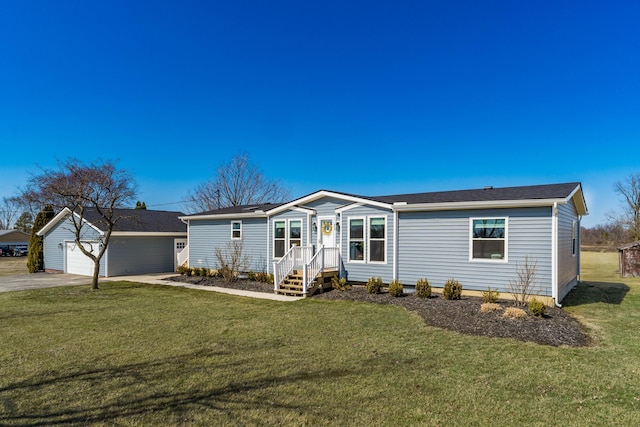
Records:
x=556, y=328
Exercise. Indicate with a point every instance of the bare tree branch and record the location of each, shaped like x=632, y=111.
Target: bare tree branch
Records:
x=236, y=183
x=629, y=189
x=100, y=186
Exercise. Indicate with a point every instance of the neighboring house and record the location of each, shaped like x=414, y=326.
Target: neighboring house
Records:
x=478, y=237
x=14, y=238
x=142, y=241
x=13, y=242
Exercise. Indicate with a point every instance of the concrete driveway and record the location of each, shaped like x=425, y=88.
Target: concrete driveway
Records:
x=50, y=280
x=40, y=280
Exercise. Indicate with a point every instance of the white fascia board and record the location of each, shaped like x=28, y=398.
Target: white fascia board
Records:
x=304, y=210
x=148, y=234
x=255, y=214
x=579, y=201
x=320, y=194
x=348, y=207
x=501, y=204
x=59, y=217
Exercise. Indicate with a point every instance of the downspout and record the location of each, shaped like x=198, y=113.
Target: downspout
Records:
x=395, y=245
x=578, y=244
x=554, y=254
x=269, y=255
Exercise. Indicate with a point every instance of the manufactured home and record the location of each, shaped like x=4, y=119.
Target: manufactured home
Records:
x=479, y=237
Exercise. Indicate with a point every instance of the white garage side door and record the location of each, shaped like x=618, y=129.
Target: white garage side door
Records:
x=77, y=262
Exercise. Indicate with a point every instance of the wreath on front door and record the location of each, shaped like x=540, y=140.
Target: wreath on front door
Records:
x=327, y=228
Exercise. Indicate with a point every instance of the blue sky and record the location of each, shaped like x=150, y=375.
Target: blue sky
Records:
x=364, y=97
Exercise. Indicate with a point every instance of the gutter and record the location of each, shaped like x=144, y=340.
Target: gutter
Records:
x=554, y=254
x=404, y=207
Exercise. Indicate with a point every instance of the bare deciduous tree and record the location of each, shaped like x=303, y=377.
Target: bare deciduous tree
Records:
x=236, y=183
x=524, y=285
x=629, y=189
x=9, y=211
x=99, y=186
x=232, y=260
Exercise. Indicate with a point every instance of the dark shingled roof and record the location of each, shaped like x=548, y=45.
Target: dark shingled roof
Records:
x=488, y=194
x=533, y=192
x=242, y=209
x=140, y=221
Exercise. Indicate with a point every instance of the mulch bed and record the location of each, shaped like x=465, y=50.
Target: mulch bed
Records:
x=556, y=328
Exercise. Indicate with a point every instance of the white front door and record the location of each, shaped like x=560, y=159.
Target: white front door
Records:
x=327, y=232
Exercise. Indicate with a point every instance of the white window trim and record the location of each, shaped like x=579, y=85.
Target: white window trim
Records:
x=287, y=234
x=574, y=238
x=232, y=230
x=504, y=260
x=384, y=239
x=273, y=238
x=364, y=239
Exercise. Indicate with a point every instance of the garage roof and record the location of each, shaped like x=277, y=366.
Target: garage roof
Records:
x=132, y=221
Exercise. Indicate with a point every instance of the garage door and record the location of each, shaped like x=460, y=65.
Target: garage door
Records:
x=77, y=262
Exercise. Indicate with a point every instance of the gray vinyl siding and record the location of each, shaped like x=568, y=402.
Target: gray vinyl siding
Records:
x=435, y=245
x=54, y=245
x=361, y=271
x=140, y=255
x=567, y=262
x=206, y=235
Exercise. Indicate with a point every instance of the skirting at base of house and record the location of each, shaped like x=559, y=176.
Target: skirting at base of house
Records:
x=548, y=301
x=51, y=270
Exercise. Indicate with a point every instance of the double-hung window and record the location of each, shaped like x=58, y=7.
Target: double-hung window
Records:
x=279, y=238
x=368, y=239
x=295, y=233
x=356, y=239
x=377, y=240
x=488, y=239
x=236, y=230
x=286, y=234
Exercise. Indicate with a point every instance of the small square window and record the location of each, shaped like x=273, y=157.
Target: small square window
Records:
x=236, y=230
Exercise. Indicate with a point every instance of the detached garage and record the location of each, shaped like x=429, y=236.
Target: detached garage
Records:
x=142, y=242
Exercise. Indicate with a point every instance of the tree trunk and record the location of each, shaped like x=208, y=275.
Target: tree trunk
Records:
x=94, y=278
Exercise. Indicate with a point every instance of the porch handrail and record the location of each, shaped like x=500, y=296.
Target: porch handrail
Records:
x=297, y=256
x=325, y=258
x=183, y=255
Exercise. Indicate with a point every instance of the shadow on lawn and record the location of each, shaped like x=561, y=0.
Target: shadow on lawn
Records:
x=146, y=388
x=594, y=292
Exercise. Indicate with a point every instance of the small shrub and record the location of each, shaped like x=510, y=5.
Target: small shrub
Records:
x=340, y=284
x=190, y=271
x=183, y=270
x=251, y=276
x=537, y=308
x=514, y=313
x=263, y=277
x=423, y=288
x=489, y=307
x=395, y=288
x=211, y=272
x=374, y=285
x=452, y=290
x=204, y=272
x=490, y=296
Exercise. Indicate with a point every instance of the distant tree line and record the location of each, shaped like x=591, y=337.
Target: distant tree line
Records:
x=605, y=236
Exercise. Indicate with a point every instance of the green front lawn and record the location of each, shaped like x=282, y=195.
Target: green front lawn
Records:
x=133, y=354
